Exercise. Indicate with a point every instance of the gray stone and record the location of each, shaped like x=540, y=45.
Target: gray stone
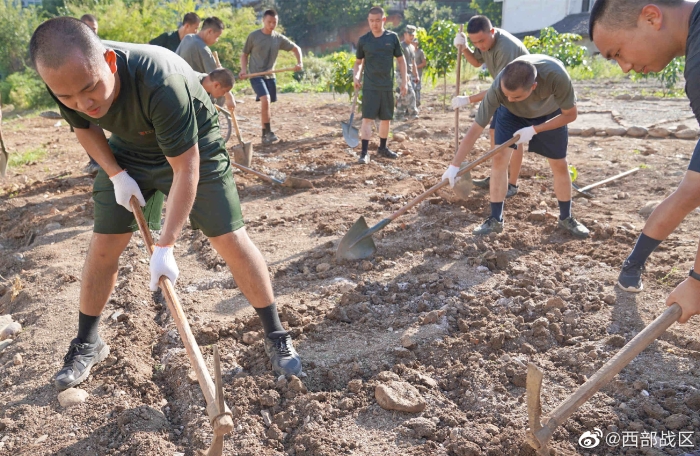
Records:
x=687, y=133
x=4, y=344
x=354, y=386
x=609, y=299
x=637, y=132
x=399, y=137
x=10, y=331
x=407, y=341
x=590, y=131
x=399, y=396
x=295, y=384
x=52, y=226
x=323, y=267
x=659, y=132
x=676, y=421
x=423, y=428
x=71, y=397
x=537, y=216
x=17, y=359
x=616, y=131
x=648, y=208
x=269, y=398
x=251, y=337
x=575, y=131
x=555, y=303
x=624, y=96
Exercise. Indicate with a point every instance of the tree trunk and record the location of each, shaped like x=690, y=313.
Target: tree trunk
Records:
x=444, y=91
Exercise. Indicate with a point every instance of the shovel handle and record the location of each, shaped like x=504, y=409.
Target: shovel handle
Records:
x=265, y=73
x=609, y=179
x=459, y=77
x=216, y=59
x=262, y=176
x=234, y=120
x=610, y=369
x=195, y=355
x=444, y=182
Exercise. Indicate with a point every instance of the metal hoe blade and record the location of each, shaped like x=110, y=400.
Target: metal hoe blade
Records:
x=357, y=242
x=464, y=185
x=243, y=154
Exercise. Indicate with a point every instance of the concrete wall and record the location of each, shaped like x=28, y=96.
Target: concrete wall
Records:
x=527, y=15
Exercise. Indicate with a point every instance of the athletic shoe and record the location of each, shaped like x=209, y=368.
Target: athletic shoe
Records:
x=483, y=183
x=78, y=361
x=91, y=169
x=491, y=225
x=386, y=153
x=512, y=191
x=574, y=227
x=364, y=159
x=630, y=278
x=269, y=138
x=284, y=358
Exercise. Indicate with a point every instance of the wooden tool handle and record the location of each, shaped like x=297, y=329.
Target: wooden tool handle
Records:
x=609, y=179
x=183, y=327
x=233, y=120
x=265, y=73
x=610, y=369
x=262, y=176
x=216, y=59
x=459, y=77
x=461, y=172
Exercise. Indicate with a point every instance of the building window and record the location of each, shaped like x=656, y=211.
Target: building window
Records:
x=586, y=6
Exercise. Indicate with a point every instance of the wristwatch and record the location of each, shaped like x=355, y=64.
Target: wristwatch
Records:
x=694, y=274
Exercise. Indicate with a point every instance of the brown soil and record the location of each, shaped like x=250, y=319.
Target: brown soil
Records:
x=476, y=309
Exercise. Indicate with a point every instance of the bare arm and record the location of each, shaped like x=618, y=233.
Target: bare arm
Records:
x=357, y=71
x=467, y=144
x=182, y=193
x=403, y=70
x=478, y=97
x=244, y=65
x=469, y=55
x=566, y=117
x=95, y=144
x=230, y=101
x=297, y=53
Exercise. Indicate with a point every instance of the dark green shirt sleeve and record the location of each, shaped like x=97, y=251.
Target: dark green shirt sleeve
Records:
x=360, y=54
x=69, y=115
x=160, y=40
x=173, y=116
x=397, y=47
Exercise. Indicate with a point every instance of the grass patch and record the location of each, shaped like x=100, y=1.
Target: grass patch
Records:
x=598, y=68
x=26, y=158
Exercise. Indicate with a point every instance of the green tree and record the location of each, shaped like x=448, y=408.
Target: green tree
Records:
x=424, y=14
x=19, y=24
x=668, y=77
x=440, y=53
x=490, y=9
x=559, y=45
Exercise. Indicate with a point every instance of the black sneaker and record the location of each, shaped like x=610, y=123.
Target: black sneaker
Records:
x=574, y=227
x=512, y=191
x=364, y=159
x=491, y=225
x=630, y=278
x=483, y=183
x=385, y=152
x=284, y=358
x=78, y=362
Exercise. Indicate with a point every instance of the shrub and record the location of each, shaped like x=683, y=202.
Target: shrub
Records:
x=668, y=77
x=559, y=45
x=341, y=76
x=18, y=25
x=25, y=90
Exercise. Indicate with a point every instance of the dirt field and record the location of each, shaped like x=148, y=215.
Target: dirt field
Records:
x=455, y=316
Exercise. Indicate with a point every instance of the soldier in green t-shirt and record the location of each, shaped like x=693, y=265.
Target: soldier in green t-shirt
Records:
x=376, y=52
x=421, y=63
x=538, y=102
x=494, y=48
x=259, y=55
x=165, y=141
x=171, y=40
x=406, y=106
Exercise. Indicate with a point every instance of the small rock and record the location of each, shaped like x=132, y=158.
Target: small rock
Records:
x=628, y=226
x=323, y=267
x=624, y=96
x=4, y=344
x=269, y=398
x=648, y=208
x=407, y=341
x=537, y=216
x=41, y=439
x=622, y=196
x=71, y=397
x=355, y=385
x=399, y=396
x=575, y=131
x=295, y=384
x=659, y=132
x=555, y=303
x=616, y=341
x=693, y=400
x=366, y=265
x=422, y=133
x=502, y=260
x=267, y=419
x=50, y=115
x=251, y=337
x=637, y=132
x=52, y=226
x=275, y=433
x=676, y=421
x=482, y=269
x=586, y=132
x=616, y=131
x=399, y=137
x=609, y=299
x=423, y=428
x=10, y=331
x=17, y=359
x=690, y=133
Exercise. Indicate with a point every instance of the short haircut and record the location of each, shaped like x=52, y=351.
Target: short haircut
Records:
x=622, y=13
x=213, y=23
x=376, y=10
x=88, y=18
x=223, y=76
x=518, y=75
x=479, y=24
x=270, y=12
x=190, y=18
x=59, y=38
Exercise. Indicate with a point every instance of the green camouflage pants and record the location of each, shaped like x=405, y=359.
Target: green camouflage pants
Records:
x=406, y=105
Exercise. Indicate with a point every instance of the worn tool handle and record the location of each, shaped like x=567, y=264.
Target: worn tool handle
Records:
x=219, y=421
x=459, y=77
x=461, y=172
x=3, y=151
x=234, y=120
x=610, y=369
x=265, y=73
x=609, y=179
x=262, y=176
x=216, y=59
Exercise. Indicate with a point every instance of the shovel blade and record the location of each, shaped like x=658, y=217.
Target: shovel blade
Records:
x=464, y=186
x=351, y=135
x=297, y=182
x=357, y=243
x=243, y=154
x=4, y=159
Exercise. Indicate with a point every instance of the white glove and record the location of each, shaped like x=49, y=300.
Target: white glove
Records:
x=163, y=264
x=526, y=135
x=460, y=102
x=451, y=174
x=124, y=188
x=460, y=39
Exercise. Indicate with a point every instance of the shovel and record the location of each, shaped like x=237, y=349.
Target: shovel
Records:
x=243, y=152
x=291, y=182
x=220, y=415
x=4, y=156
x=350, y=133
x=265, y=73
x=540, y=432
x=357, y=242
x=584, y=190
x=464, y=186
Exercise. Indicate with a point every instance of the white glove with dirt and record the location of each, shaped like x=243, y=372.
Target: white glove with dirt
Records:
x=451, y=174
x=526, y=135
x=124, y=188
x=460, y=39
x=460, y=102
x=163, y=264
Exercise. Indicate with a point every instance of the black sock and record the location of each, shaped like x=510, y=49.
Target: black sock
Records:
x=265, y=130
x=365, y=146
x=382, y=143
x=564, y=210
x=87, y=328
x=269, y=318
x=268, y=127
x=642, y=249
x=497, y=211
x=511, y=186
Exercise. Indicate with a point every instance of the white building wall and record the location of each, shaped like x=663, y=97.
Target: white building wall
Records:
x=527, y=15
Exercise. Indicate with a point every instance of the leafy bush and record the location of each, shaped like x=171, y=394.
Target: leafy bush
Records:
x=668, y=77
x=25, y=90
x=19, y=24
x=316, y=70
x=341, y=76
x=424, y=14
x=559, y=45
x=597, y=68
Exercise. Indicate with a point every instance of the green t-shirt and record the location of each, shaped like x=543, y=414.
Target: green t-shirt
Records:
x=505, y=49
x=409, y=54
x=196, y=52
x=554, y=91
x=263, y=49
x=161, y=109
x=420, y=58
x=168, y=40
x=378, y=54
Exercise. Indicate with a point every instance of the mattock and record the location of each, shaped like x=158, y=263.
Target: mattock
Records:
x=220, y=415
x=540, y=432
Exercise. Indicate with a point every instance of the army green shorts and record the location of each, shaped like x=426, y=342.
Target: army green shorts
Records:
x=378, y=104
x=216, y=210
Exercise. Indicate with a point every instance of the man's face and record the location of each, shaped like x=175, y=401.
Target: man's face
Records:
x=408, y=37
x=92, y=25
x=191, y=28
x=376, y=22
x=270, y=23
x=643, y=48
x=218, y=91
x=483, y=41
x=83, y=86
x=211, y=36
x=521, y=94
